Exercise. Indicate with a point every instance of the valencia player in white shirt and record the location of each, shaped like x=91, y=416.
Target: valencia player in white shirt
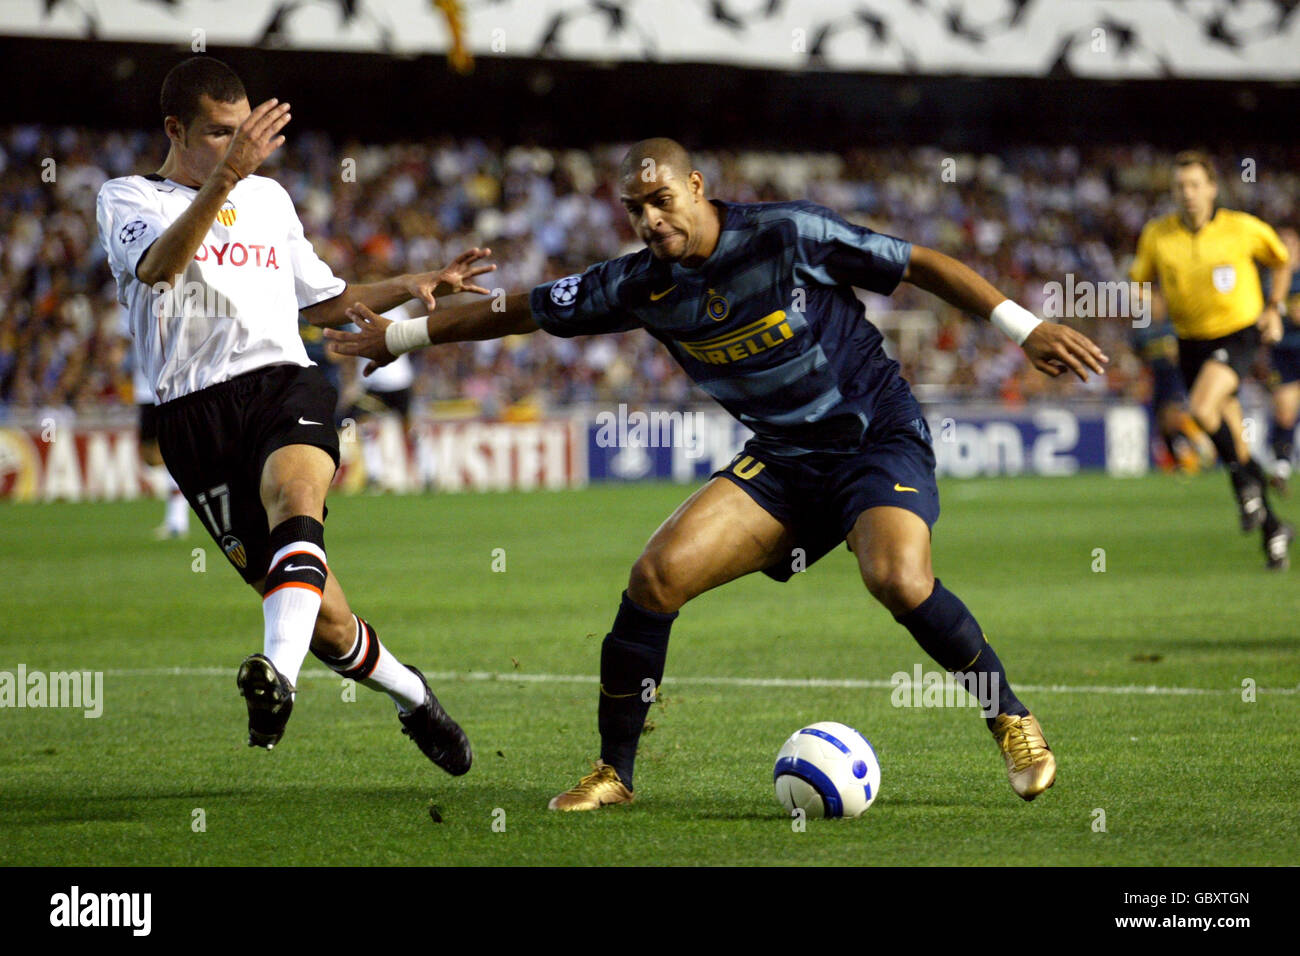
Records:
x=213, y=268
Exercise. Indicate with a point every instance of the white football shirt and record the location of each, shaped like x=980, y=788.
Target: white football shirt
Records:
x=236, y=306
x=141, y=387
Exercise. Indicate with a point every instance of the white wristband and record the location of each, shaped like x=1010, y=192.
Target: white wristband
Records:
x=402, y=337
x=1013, y=321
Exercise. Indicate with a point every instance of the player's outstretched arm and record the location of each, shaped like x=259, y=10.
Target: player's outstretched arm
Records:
x=255, y=139
x=389, y=293
x=1052, y=348
x=1270, y=320
x=381, y=340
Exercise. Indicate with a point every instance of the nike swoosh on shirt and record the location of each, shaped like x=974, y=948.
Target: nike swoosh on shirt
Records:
x=898, y=487
x=303, y=567
x=303, y=421
x=656, y=296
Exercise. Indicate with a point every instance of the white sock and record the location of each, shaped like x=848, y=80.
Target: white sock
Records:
x=158, y=478
x=372, y=459
x=178, y=509
x=372, y=665
x=291, y=604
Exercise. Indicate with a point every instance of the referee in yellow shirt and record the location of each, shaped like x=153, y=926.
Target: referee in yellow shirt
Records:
x=1204, y=259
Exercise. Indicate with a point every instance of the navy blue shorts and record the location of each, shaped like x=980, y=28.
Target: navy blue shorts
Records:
x=1166, y=384
x=819, y=496
x=1286, y=365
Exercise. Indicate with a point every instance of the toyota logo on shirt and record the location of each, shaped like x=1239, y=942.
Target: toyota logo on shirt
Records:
x=238, y=254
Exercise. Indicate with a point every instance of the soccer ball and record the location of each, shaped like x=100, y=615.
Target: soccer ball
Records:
x=827, y=770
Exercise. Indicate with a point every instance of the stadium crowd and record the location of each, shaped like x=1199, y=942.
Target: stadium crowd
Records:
x=1023, y=219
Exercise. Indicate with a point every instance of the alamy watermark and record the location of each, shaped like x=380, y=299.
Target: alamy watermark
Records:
x=178, y=299
x=1083, y=299
x=77, y=909
x=81, y=690
x=944, y=689
x=655, y=429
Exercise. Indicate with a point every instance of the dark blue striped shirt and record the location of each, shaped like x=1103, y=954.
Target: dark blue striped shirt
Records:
x=768, y=325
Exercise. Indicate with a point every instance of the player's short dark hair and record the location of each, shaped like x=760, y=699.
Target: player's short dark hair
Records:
x=196, y=77
x=1194, y=157
x=662, y=150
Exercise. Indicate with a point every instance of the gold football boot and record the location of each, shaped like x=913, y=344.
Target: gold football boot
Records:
x=1031, y=766
x=600, y=788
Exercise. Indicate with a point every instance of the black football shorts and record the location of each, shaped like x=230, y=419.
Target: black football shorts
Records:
x=215, y=442
x=148, y=422
x=1237, y=351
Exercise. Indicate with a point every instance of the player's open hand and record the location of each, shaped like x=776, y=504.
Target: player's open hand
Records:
x=368, y=343
x=257, y=137
x=1270, y=325
x=458, y=276
x=1054, y=349
x=427, y=286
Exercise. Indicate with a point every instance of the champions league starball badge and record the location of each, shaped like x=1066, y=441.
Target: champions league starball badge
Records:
x=132, y=231
x=565, y=291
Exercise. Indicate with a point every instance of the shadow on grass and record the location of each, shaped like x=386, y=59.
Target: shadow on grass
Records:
x=55, y=806
x=1234, y=645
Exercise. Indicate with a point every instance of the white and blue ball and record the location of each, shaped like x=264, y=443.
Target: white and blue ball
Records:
x=827, y=770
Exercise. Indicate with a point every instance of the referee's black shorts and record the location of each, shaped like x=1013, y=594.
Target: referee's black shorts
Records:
x=215, y=442
x=1237, y=351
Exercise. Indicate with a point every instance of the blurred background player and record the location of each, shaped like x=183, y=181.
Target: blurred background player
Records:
x=214, y=268
x=755, y=301
x=176, y=513
x=313, y=343
x=387, y=392
x=1204, y=260
x=1184, y=444
x=1284, y=359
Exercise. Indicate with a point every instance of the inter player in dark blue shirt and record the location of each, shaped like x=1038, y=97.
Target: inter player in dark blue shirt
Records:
x=756, y=303
x=1285, y=372
x=1157, y=346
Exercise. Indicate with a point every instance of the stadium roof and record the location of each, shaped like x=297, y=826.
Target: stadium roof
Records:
x=1212, y=39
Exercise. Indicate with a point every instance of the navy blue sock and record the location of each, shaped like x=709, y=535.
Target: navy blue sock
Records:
x=949, y=633
x=1283, y=441
x=633, y=653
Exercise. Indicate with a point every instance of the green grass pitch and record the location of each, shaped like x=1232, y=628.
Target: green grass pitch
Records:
x=1136, y=673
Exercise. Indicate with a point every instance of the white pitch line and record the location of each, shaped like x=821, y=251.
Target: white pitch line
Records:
x=783, y=682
